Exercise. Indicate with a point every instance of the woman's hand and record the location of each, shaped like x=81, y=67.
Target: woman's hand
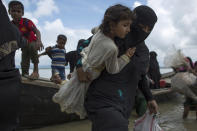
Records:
x=83, y=76
x=153, y=107
x=152, y=81
x=130, y=52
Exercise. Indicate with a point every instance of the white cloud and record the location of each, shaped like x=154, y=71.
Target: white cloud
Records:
x=45, y=8
x=136, y=3
x=49, y=34
x=31, y=17
x=50, y=29
x=177, y=24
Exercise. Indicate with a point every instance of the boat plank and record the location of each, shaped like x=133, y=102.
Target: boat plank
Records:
x=40, y=82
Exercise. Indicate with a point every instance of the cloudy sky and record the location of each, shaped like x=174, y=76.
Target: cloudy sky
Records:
x=177, y=23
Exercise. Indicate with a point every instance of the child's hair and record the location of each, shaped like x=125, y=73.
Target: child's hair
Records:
x=62, y=37
x=14, y=3
x=115, y=14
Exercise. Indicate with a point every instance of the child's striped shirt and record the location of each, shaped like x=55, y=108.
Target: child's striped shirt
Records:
x=58, y=58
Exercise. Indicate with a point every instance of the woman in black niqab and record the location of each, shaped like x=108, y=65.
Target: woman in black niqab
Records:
x=154, y=71
x=110, y=98
x=10, y=83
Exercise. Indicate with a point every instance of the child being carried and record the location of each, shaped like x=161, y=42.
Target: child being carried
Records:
x=102, y=53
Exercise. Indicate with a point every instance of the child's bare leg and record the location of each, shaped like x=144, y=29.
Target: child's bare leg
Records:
x=35, y=74
x=34, y=57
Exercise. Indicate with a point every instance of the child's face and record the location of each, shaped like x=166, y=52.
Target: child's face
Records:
x=61, y=43
x=16, y=12
x=122, y=28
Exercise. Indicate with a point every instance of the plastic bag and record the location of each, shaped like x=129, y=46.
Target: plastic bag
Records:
x=148, y=122
x=185, y=83
x=71, y=95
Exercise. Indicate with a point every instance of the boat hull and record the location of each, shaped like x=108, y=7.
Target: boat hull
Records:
x=38, y=109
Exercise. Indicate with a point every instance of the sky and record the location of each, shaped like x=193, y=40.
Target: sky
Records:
x=176, y=25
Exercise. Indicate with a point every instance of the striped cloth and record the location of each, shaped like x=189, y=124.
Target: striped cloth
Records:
x=58, y=58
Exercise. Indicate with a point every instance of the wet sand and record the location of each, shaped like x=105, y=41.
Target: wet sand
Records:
x=170, y=119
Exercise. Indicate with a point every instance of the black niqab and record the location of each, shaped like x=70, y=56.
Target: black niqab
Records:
x=154, y=70
x=7, y=33
x=143, y=15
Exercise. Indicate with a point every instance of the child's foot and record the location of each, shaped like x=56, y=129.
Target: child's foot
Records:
x=56, y=79
x=34, y=76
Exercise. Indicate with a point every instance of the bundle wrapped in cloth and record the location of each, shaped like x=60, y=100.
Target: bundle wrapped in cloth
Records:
x=175, y=59
x=183, y=82
x=186, y=84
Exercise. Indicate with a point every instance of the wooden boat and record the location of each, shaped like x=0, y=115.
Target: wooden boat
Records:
x=38, y=109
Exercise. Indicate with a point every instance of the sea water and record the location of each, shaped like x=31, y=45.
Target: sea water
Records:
x=46, y=72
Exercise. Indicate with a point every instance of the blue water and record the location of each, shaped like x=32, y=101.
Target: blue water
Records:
x=46, y=72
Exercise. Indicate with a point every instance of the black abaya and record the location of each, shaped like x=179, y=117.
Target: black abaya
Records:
x=10, y=83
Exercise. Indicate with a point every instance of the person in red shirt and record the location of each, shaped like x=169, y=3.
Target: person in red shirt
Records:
x=31, y=33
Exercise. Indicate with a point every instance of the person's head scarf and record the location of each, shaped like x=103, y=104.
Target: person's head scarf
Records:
x=142, y=15
x=153, y=54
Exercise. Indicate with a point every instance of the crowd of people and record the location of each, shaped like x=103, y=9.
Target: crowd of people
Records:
x=107, y=70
